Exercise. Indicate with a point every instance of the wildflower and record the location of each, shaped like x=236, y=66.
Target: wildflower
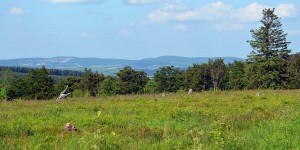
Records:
x=113, y=133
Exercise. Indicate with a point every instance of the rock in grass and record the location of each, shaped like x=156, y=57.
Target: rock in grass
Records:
x=70, y=127
x=190, y=91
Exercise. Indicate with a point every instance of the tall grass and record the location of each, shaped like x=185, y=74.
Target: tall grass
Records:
x=206, y=120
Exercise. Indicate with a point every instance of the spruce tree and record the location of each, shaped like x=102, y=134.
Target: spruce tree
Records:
x=268, y=61
x=39, y=84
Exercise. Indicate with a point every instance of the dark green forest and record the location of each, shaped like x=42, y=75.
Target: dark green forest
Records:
x=54, y=72
x=270, y=65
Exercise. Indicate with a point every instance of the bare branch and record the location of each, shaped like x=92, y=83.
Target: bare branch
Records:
x=63, y=95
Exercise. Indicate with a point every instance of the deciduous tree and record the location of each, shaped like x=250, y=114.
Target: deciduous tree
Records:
x=132, y=81
x=217, y=71
x=110, y=86
x=169, y=79
x=197, y=77
x=151, y=87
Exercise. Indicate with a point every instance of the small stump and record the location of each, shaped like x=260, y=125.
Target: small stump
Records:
x=190, y=91
x=70, y=127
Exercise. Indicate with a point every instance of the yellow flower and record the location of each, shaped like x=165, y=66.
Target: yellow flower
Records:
x=113, y=133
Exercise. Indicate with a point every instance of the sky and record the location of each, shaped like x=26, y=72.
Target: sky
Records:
x=137, y=29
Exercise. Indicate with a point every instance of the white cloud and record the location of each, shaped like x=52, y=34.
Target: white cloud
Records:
x=74, y=1
x=250, y=13
x=183, y=13
x=175, y=6
x=84, y=35
x=180, y=27
x=286, y=10
x=67, y=1
x=17, y=11
x=253, y=12
x=160, y=16
x=190, y=15
x=136, y=2
x=218, y=11
x=167, y=12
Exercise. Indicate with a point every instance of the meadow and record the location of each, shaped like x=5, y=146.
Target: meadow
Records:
x=205, y=120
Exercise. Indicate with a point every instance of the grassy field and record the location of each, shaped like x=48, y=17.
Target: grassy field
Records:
x=206, y=120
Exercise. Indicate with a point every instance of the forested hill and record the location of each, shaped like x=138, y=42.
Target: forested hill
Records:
x=110, y=66
x=55, y=72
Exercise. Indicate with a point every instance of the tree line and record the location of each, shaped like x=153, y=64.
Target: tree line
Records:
x=269, y=66
x=51, y=71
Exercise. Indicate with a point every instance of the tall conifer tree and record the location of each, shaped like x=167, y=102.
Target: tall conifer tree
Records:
x=268, y=60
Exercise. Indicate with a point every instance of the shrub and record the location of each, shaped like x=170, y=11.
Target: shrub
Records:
x=151, y=87
x=78, y=93
x=109, y=86
x=3, y=94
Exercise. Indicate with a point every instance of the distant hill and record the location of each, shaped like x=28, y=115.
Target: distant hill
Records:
x=111, y=66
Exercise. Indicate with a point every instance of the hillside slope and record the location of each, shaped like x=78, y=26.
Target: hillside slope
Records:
x=110, y=66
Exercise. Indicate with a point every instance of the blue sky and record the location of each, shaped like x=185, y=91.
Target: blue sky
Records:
x=136, y=29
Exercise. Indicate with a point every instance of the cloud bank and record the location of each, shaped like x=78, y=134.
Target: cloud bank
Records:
x=137, y=2
x=218, y=11
x=75, y=1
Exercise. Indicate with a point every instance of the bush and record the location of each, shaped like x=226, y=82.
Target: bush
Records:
x=109, y=86
x=87, y=94
x=181, y=91
x=78, y=93
x=3, y=94
x=151, y=87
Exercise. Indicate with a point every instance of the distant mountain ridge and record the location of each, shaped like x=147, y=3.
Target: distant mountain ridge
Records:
x=111, y=66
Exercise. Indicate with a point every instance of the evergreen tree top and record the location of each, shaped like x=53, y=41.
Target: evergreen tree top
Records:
x=269, y=41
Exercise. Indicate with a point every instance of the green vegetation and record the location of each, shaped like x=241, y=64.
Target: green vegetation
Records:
x=132, y=81
x=207, y=120
x=109, y=116
x=3, y=94
x=109, y=86
x=267, y=63
x=269, y=66
x=37, y=85
x=169, y=79
x=54, y=72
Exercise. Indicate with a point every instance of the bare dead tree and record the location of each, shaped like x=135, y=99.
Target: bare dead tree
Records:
x=63, y=95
